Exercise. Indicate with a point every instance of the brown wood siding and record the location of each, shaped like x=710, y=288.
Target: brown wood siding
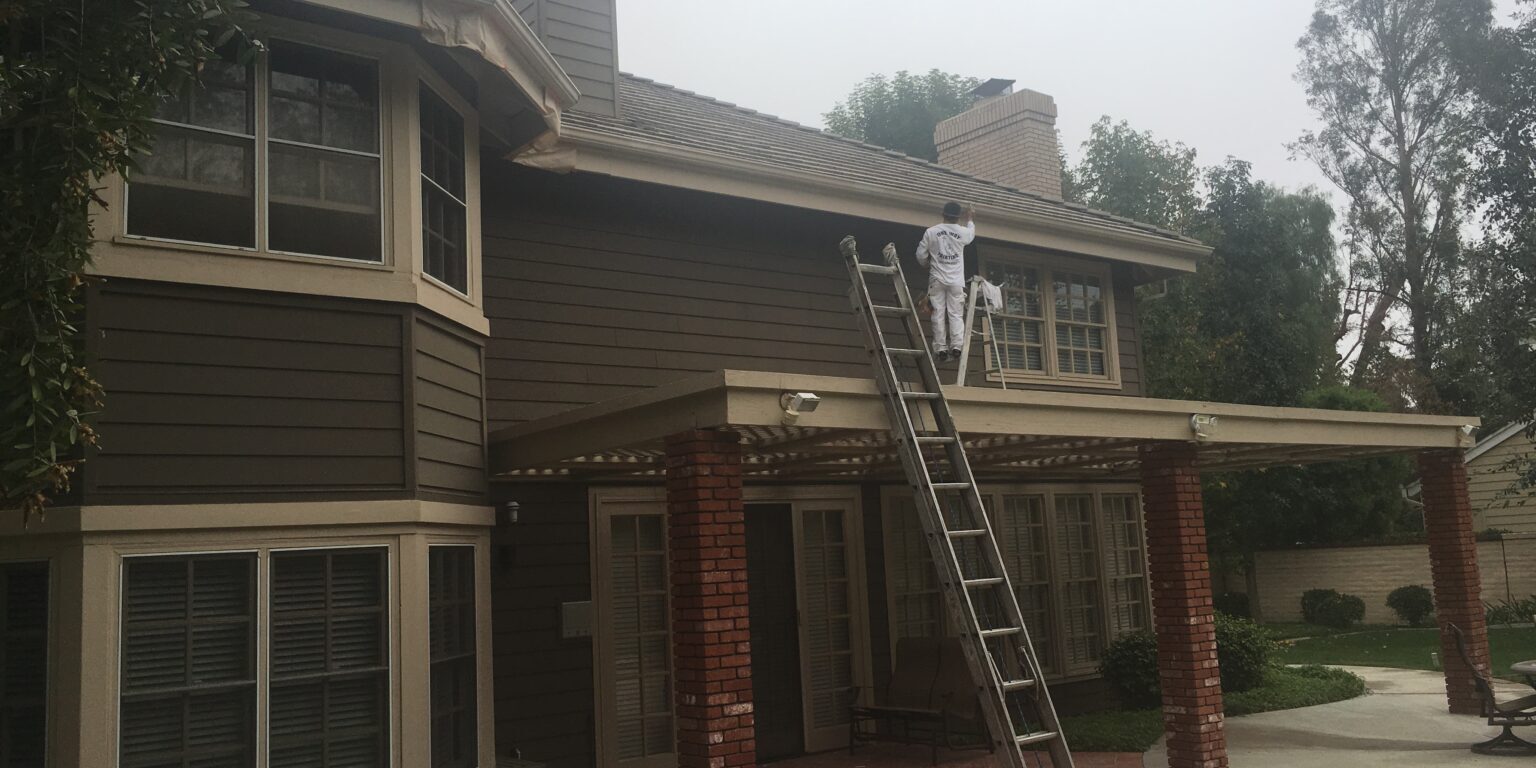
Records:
x=1491, y=481
x=544, y=690
x=582, y=36
x=598, y=287
x=449, y=405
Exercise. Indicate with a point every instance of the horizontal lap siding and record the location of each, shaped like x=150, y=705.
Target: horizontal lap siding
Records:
x=449, y=407
x=581, y=35
x=1491, y=484
x=598, y=288
x=544, y=690
x=224, y=395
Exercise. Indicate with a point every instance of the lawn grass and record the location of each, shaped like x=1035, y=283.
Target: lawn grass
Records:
x=1406, y=648
x=1292, y=630
x=1135, y=730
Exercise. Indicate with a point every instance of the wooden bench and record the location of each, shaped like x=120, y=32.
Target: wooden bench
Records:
x=1507, y=715
x=929, y=700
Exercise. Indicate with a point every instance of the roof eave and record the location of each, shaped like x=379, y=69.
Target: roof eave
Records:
x=654, y=162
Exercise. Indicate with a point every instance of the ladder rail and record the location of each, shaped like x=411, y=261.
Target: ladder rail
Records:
x=990, y=672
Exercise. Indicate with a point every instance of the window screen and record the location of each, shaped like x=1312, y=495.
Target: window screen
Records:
x=203, y=163
x=323, y=142
x=452, y=607
x=23, y=664
x=188, y=662
x=443, y=210
x=329, y=659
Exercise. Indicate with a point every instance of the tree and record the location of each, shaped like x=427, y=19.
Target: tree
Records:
x=1397, y=127
x=1134, y=175
x=901, y=111
x=77, y=88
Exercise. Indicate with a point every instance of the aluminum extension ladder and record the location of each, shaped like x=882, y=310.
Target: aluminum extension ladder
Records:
x=971, y=573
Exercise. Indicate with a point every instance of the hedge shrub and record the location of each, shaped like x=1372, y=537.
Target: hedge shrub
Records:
x=1412, y=604
x=1330, y=608
x=1312, y=601
x=1243, y=648
x=1234, y=604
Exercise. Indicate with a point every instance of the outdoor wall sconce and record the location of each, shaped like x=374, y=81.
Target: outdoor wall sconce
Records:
x=796, y=403
x=1464, y=436
x=1203, y=425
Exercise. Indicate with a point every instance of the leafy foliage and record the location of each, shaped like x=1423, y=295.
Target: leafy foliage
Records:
x=1243, y=650
x=1331, y=608
x=77, y=88
x=900, y=112
x=1133, y=174
x=1397, y=128
x=1412, y=604
x=1292, y=687
x=1312, y=602
x=1234, y=604
x=1506, y=612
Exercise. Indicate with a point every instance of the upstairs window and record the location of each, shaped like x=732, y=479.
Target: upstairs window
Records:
x=284, y=156
x=1055, y=322
x=444, y=212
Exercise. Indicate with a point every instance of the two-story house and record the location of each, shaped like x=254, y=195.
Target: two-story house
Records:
x=445, y=421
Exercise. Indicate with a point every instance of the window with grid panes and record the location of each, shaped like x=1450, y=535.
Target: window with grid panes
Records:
x=1077, y=579
x=444, y=212
x=642, y=656
x=828, y=617
x=1082, y=325
x=451, y=606
x=188, y=679
x=329, y=683
x=313, y=135
x=917, y=608
x=1022, y=540
x=1020, y=327
x=1124, y=565
x=23, y=664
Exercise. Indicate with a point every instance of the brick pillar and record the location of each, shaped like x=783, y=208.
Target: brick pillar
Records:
x=1182, y=612
x=711, y=648
x=1453, y=562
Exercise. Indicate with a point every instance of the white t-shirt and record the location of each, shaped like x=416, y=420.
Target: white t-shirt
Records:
x=946, y=243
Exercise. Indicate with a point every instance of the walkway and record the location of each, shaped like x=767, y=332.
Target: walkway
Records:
x=1401, y=723
x=899, y=756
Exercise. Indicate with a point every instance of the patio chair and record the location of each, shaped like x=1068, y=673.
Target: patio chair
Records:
x=930, y=700
x=1508, y=715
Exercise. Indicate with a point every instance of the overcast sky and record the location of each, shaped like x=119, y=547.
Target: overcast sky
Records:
x=1214, y=74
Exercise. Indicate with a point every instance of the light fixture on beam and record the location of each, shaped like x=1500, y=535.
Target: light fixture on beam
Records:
x=796, y=403
x=1203, y=425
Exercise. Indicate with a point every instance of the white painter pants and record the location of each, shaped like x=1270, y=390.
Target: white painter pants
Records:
x=948, y=303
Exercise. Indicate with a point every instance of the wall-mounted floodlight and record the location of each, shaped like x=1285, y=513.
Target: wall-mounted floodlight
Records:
x=1203, y=425
x=796, y=403
x=1464, y=436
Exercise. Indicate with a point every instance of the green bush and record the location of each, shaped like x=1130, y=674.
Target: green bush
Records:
x=1243, y=648
x=1508, y=612
x=1234, y=604
x=1412, y=604
x=1312, y=601
x=1341, y=612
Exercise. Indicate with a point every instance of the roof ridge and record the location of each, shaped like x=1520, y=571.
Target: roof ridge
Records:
x=1048, y=199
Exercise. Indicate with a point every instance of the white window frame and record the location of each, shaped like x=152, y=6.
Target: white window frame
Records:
x=1047, y=268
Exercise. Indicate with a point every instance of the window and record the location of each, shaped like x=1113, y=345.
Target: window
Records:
x=635, y=604
x=1021, y=538
x=1077, y=574
x=330, y=659
x=1124, y=564
x=23, y=664
x=451, y=604
x=443, y=210
x=314, y=133
x=188, y=661
x=1055, y=322
x=917, y=607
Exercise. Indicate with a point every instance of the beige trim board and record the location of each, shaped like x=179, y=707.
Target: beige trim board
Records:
x=658, y=163
x=301, y=515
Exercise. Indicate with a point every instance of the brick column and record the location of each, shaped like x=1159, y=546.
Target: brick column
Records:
x=1182, y=612
x=711, y=648
x=1453, y=563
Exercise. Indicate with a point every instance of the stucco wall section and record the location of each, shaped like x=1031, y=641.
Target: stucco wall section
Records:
x=1508, y=569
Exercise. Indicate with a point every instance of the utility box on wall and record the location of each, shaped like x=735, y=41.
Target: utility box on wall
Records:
x=576, y=620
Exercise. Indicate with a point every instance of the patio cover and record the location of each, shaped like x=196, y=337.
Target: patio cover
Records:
x=1013, y=434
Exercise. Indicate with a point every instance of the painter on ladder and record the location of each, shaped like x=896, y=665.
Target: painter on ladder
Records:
x=942, y=251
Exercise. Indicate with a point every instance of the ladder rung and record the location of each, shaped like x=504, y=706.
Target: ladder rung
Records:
x=891, y=311
x=1035, y=738
x=990, y=581
x=877, y=269
x=919, y=395
x=1017, y=685
x=935, y=440
x=951, y=486
x=999, y=632
x=895, y=351
x=970, y=533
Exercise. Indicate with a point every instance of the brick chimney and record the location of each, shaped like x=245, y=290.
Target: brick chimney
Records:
x=1007, y=136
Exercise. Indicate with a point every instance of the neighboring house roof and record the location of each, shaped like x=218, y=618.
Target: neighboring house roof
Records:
x=1494, y=440
x=676, y=132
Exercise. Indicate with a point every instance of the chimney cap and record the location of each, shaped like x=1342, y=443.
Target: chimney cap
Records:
x=996, y=86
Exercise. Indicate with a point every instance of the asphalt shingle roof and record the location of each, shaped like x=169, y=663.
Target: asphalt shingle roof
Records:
x=666, y=114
